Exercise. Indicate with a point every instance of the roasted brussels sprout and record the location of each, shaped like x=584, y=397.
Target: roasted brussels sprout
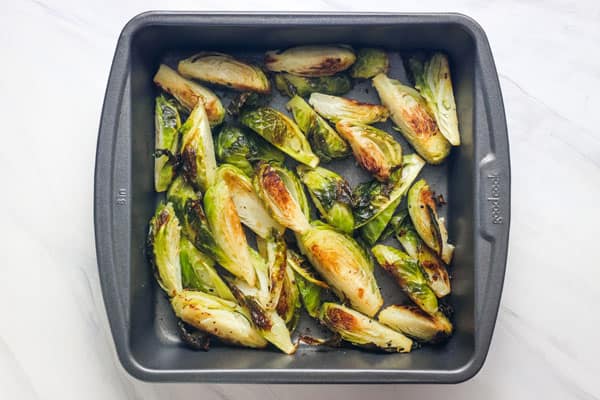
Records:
x=344, y=265
x=310, y=60
x=275, y=253
x=198, y=272
x=331, y=194
x=410, y=113
x=337, y=108
x=283, y=195
x=431, y=228
x=269, y=324
x=372, y=198
x=197, y=150
x=433, y=267
x=166, y=139
x=281, y=132
x=407, y=273
x=370, y=62
x=375, y=150
x=414, y=322
x=372, y=230
x=188, y=207
x=247, y=100
x=219, y=317
x=291, y=85
x=289, y=304
x=242, y=149
x=223, y=69
x=325, y=141
x=250, y=208
x=309, y=287
x=433, y=80
x=360, y=330
x=225, y=225
x=189, y=93
x=163, y=241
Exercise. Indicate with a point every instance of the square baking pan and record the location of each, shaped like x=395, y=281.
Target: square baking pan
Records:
x=475, y=180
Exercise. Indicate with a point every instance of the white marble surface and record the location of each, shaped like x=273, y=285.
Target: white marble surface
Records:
x=54, y=338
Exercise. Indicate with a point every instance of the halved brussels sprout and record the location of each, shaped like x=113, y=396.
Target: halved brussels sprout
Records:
x=291, y=85
x=336, y=108
x=414, y=322
x=309, y=287
x=362, y=331
x=433, y=267
x=166, y=139
x=242, y=149
x=331, y=194
x=188, y=207
x=197, y=150
x=310, y=60
x=370, y=62
x=198, y=272
x=344, y=265
x=431, y=228
x=163, y=240
x=269, y=324
x=281, y=132
x=325, y=141
x=227, y=231
x=189, y=93
x=372, y=198
x=289, y=304
x=275, y=253
x=406, y=272
x=433, y=80
x=283, y=195
x=375, y=150
x=223, y=69
x=219, y=317
x=410, y=113
x=250, y=208
x=372, y=230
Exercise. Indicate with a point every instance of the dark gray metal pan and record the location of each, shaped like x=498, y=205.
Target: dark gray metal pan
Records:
x=475, y=180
